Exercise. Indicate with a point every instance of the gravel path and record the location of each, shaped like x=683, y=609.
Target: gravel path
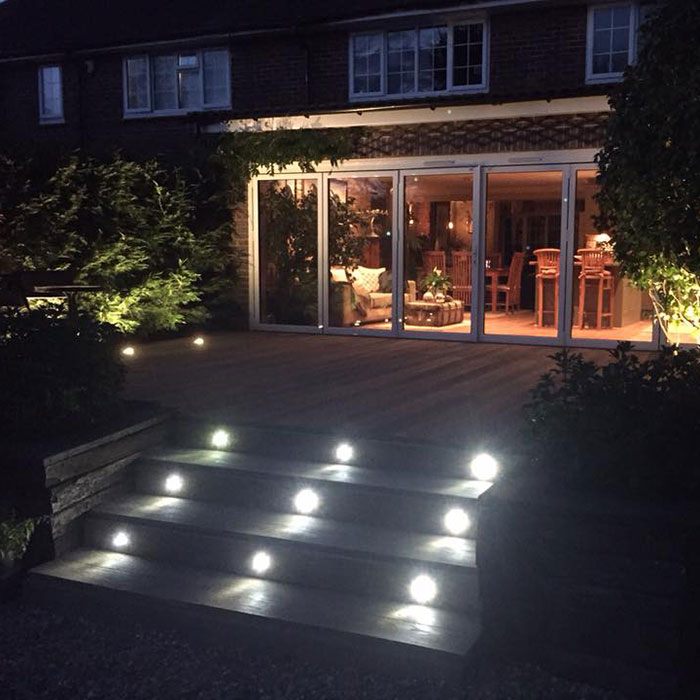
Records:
x=46, y=655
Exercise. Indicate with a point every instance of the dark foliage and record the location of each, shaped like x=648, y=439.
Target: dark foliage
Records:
x=55, y=373
x=630, y=426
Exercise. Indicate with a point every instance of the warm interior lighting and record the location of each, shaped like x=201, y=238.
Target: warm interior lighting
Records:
x=306, y=501
x=260, y=562
x=129, y=351
x=423, y=589
x=120, y=539
x=450, y=225
x=220, y=439
x=174, y=483
x=344, y=452
x=456, y=521
x=603, y=238
x=198, y=341
x=484, y=467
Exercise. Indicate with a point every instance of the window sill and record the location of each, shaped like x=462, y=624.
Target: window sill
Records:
x=52, y=122
x=602, y=79
x=413, y=96
x=175, y=113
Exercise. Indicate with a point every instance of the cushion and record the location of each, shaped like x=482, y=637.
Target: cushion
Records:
x=385, y=281
x=338, y=274
x=363, y=302
x=380, y=300
x=368, y=277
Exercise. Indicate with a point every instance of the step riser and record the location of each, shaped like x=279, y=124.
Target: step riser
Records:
x=293, y=562
x=446, y=460
x=415, y=512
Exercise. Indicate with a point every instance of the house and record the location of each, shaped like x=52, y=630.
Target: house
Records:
x=467, y=209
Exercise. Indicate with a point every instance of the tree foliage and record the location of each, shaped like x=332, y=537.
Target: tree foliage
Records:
x=650, y=166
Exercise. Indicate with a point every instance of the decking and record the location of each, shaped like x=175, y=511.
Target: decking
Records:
x=437, y=391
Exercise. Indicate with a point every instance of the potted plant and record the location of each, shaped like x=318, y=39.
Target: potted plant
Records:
x=435, y=285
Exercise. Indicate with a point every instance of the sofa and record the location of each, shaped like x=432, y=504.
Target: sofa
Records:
x=362, y=295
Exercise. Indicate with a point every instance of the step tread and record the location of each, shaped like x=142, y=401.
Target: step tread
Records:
x=420, y=626
x=409, y=480
x=347, y=538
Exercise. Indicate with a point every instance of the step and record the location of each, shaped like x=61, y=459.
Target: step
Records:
x=254, y=611
x=389, y=497
x=408, y=455
x=307, y=550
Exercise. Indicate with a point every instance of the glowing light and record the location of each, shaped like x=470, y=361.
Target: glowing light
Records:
x=260, y=562
x=220, y=439
x=411, y=222
x=484, y=467
x=603, y=238
x=174, y=483
x=120, y=540
x=344, y=452
x=198, y=341
x=306, y=501
x=456, y=521
x=423, y=589
x=129, y=351
x=450, y=225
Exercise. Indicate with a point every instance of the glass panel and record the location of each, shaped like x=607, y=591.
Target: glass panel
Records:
x=438, y=229
x=288, y=251
x=360, y=215
x=605, y=305
x=216, y=85
x=523, y=238
x=137, y=96
x=432, y=59
x=165, y=82
x=401, y=62
x=51, y=92
x=611, y=37
x=367, y=62
x=467, y=56
x=190, y=89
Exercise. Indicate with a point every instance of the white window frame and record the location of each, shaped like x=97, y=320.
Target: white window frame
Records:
x=416, y=94
x=59, y=118
x=593, y=78
x=150, y=110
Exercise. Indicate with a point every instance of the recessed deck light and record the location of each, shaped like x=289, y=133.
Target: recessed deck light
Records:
x=484, y=467
x=456, y=521
x=198, y=341
x=306, y=501
x=220, y=439
x=260, y=562
x=423, y=589
x=344, y=452
x=174, y=483
x=128, y=351
x=120, y=540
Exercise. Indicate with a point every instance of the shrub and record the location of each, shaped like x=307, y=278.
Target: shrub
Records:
x=56, y=374
x=14, y=537
x=630, y=426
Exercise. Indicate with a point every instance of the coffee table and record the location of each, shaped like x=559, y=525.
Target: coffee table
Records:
x=433, y=313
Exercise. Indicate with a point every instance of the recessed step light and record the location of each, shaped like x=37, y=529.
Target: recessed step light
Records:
x=456, y=521
x=120, y=540
x=306, y=501
x=423, y=589
x=260, y=562
x=484, y=467
x=344, y=452
x=174, y=483
x=220, y=439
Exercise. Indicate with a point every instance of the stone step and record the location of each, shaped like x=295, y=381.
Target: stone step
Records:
x=306, y=550
x=228, y=609
x=387, y=497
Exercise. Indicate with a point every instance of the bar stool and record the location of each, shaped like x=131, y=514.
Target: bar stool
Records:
x=593, y=270
x=547, y=269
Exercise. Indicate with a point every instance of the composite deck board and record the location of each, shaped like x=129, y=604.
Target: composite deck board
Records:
x=409, y=481
x=347, y=538
x=447, y=392
x=430, y=628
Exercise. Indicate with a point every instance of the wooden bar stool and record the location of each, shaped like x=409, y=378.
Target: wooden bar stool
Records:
x=547, y=269
x=593, y=270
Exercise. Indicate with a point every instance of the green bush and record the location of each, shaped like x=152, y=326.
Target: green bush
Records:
x=56, y=374
x=630, y=426
x=14, y=537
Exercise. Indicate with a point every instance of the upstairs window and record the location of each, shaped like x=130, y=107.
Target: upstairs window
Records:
x=419, y=62
x=50, y=94
x=611, y=41
x=177, y=83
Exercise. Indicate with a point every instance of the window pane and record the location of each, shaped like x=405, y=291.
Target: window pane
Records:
x=601, y=41
x=601, y=63
x=137, y=96
x=468, y=55
x=611, y=39
x=51, y=93
x=620, y=39
x=360, y=252
x=165, y=82
x=438, y=233
x=619, y=62
x=432, y=59
x=602, y=19
x=190, y=89
x=367, y=63
x=288, y=247
x=401, y=54
x=216, y=85
x=621, y=16
x=605, y=305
